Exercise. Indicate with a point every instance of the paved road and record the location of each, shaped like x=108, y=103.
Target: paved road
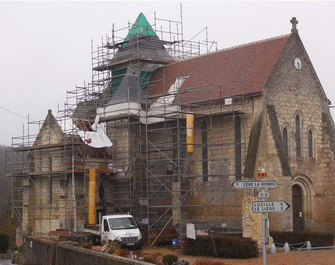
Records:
x=5, y=261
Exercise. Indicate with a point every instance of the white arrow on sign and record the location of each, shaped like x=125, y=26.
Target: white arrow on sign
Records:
x=254, y=184
x=270, y=206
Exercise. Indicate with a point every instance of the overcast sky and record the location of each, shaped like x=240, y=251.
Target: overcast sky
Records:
x=45, y=47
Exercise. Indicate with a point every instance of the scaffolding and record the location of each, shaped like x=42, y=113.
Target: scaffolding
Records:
x=151, y=170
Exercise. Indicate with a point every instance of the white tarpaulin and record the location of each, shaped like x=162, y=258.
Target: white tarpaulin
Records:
x=128, y=108
x=160, y=110
x=168, y=99
x=163, y=105
x=152, y=116
x=190, y=231
x=97, y=139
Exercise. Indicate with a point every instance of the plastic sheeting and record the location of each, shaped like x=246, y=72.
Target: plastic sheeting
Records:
x=159, y=114
x=129, y=108
x=163, y=106
x=141, y=26
x=168, y=99
x=160, y=110
x=97, y=139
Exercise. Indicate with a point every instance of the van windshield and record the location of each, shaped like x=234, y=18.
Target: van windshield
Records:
x=122, y=223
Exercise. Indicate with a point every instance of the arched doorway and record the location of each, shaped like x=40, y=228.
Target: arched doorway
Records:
x=297, y=208
x=302, y=202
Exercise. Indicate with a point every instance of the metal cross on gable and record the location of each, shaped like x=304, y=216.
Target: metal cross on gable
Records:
x=294, y=22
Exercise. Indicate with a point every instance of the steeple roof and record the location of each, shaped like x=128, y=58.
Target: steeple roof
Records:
x=126, y=91
x=142, y=27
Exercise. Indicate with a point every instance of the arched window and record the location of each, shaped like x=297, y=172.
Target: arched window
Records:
x=204, y=151
x=285, y=139
x=238, y=160
x=297, y=136
x=310, y=143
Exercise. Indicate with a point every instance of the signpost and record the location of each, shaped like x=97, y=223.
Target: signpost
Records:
x=254, y=184
x=263, y=206
x=270, y=206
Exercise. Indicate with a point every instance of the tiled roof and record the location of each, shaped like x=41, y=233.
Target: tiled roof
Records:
x=235, y=71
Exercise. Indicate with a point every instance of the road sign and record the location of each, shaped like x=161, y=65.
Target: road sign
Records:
x=263, y=194
x=270, y=206
x=254, y=184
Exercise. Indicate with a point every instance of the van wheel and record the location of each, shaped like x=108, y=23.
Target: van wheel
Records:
x=94, y=240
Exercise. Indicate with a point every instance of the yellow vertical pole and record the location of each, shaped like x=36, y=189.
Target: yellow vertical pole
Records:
x=91, y=196
x=189, y=132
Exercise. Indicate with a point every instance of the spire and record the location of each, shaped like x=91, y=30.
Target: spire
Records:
x=142, y=27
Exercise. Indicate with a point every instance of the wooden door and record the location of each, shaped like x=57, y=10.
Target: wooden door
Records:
x=297, y=209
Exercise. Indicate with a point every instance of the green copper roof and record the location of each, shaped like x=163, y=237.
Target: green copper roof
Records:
x=141, y=26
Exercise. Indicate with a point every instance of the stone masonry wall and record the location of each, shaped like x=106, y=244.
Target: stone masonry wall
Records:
x=214, y=201
x=298, y=92
x=118, y=133
x=48, y=215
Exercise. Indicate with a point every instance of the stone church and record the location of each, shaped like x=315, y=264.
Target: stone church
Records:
x=183, y=131
x=285, y=122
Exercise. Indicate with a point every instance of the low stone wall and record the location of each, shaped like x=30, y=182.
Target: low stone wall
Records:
x=39, y=251
x=18, y=258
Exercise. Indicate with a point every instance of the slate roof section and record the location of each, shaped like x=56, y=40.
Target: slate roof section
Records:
x=223, y=70
x=126, y=92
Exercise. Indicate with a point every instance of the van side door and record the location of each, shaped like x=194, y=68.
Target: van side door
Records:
x=104, y=231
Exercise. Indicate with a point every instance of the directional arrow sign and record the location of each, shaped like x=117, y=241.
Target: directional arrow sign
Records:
x=270, y=206
x=254, y=184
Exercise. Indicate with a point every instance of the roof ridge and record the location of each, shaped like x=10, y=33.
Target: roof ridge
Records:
x=231, y=48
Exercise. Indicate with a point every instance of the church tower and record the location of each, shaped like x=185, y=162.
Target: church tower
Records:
x=134, y=60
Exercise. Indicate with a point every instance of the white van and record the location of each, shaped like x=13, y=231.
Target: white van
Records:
x=122, y=229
